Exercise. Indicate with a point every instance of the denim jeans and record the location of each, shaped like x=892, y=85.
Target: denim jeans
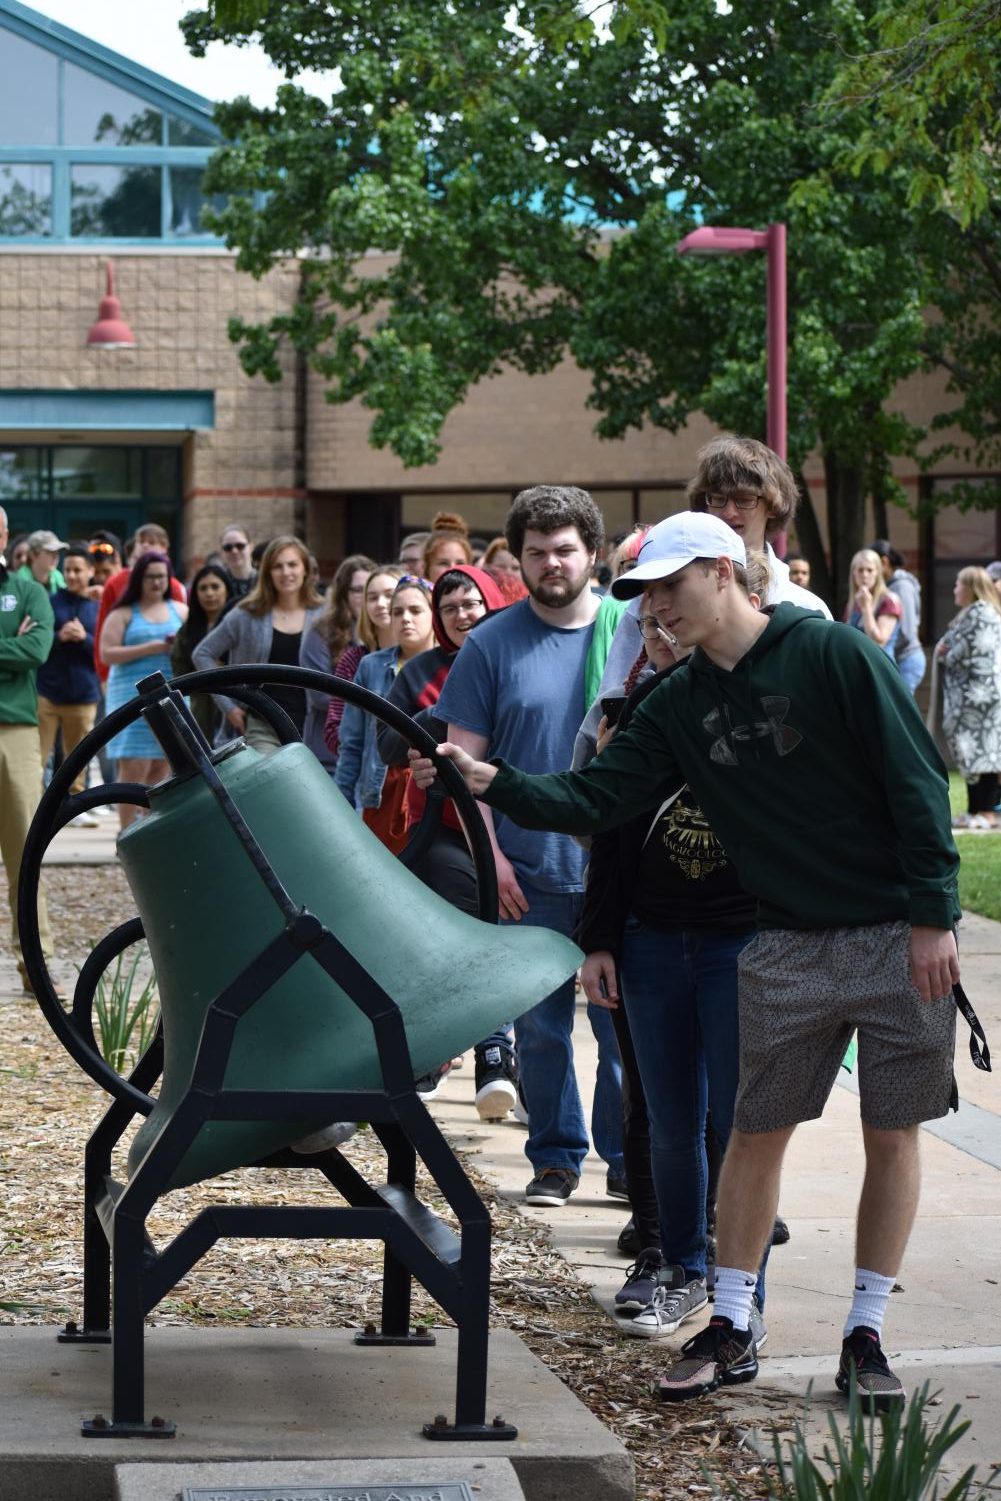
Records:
x=680, y=994
x=557, y=1135
x=912, y=669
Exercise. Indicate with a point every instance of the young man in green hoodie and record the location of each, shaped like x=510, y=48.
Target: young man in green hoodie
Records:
x=795, y=736
x=26, y=625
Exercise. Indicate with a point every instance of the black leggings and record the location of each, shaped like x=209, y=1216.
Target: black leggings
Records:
x=984, y=794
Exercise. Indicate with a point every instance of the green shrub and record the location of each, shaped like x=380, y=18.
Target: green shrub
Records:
x=894, y=1457
x=126, y=1025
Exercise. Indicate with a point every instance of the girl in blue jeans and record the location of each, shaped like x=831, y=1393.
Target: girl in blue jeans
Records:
x=663, y=924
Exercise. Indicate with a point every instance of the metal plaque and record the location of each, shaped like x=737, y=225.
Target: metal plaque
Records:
x=447, y=1490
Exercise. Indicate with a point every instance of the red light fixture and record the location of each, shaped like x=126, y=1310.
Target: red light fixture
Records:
x=111, y=330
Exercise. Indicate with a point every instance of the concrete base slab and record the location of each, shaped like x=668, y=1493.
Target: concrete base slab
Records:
x=270, y=1394
x=340, y=1479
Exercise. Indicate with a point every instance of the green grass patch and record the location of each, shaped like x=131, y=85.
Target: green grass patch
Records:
x=980, y=861
x=980, y=873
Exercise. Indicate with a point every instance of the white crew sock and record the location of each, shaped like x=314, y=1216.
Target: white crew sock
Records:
x=734, y=1293
x=869, y=1303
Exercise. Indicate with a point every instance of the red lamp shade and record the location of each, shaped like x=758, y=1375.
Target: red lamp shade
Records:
x=111, y=330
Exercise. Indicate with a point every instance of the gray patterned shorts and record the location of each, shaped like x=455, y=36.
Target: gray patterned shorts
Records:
x=803, y=994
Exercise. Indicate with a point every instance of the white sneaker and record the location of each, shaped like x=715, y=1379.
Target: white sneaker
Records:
x=334, y=1135
x=83, y=821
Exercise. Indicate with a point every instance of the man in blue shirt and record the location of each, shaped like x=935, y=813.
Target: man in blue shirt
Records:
x=517, y=691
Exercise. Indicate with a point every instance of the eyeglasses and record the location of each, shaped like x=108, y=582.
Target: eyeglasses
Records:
x=651, y=628
x=468, y=606
x=742, y=502
x=101, y=549
x=235, y=546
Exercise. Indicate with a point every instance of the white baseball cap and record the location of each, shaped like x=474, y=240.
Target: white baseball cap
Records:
x=674, y=543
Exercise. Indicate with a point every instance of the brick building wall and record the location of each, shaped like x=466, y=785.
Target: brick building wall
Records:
x=246, y=467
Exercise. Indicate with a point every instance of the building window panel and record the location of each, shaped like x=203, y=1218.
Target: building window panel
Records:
x=187, y=202
x=163, y=473
x=113, y=473
x=115, y=202
x=96, y=113
x=181, y=133
x=25, y=199
x=29, y=110
x=22, y=474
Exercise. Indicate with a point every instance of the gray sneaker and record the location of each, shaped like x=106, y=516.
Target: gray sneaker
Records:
x=756, y=1324
x=676, y=1299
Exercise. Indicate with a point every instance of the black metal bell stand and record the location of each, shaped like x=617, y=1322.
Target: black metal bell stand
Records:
x=125, y=1275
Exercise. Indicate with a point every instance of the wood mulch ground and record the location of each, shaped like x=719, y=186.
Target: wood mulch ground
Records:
x=48, y=1107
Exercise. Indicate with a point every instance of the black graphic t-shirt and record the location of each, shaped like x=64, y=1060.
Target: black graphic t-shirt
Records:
x=684, y=879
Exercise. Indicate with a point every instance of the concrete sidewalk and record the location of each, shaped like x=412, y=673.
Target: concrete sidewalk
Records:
x=944, y=1325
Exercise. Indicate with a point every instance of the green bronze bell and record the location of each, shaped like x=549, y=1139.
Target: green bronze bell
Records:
x=207, y=915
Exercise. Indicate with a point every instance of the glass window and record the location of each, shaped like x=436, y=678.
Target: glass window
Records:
x=97, y=113
x=111, y=472
x=22, y=475
x=186, y=202
x=163, y=473
x=25, y=198
x=118, y=202
x=180, y=133
x=29, y=109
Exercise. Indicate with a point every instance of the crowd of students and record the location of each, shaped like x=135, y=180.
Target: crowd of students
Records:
x=678, y=710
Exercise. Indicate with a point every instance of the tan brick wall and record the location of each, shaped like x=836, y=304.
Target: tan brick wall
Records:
x=177, y=307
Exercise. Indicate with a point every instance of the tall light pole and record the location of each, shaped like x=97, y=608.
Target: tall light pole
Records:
x=714, y=240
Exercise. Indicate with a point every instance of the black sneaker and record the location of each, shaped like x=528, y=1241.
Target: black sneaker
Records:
x=640, y=1284
x=629, y=1243
x=780, y=1232
x=551, y=1185
x=717, y=1356
x=615, y=1186
x=878, y=1388
x=429, y=1085
x=496, y=1082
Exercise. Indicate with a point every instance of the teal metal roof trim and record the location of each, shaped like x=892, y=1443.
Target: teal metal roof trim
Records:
x=171, y=97
x=107, y=411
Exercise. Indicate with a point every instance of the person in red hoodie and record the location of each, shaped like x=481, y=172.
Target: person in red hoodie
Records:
x=462, y=597
x=148, y=538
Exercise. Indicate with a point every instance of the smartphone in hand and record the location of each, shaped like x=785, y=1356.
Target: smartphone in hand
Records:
x=612, y=708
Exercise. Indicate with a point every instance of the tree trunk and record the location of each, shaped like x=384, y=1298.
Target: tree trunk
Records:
x=845, y=520
x=812, y=543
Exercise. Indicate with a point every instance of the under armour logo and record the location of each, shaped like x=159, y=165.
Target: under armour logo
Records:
x=783, y=737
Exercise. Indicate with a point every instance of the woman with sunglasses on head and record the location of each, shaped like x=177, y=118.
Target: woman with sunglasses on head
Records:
x=375, y=790
x=324, y=643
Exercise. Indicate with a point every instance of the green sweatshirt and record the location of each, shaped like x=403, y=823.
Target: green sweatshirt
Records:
x=21, y=656
x=810, y=761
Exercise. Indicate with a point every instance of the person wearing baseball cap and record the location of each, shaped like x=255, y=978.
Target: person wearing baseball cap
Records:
x=808, y=757
x=44, y=548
